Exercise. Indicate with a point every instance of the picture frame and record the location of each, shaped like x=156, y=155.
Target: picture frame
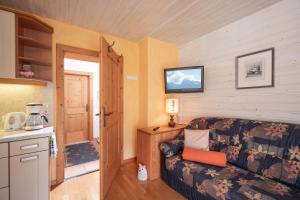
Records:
x=255, y=70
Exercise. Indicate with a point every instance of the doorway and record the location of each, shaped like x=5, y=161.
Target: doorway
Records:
x=77, y=126
x=111, y=115
x=81, y=99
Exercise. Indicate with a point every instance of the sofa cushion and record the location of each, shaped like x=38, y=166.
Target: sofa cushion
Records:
x=272, y=150
x=225, y=135
x=291, y=160
x=208, y=157
x=173, y=147
x=197, y=139
x=230, y=182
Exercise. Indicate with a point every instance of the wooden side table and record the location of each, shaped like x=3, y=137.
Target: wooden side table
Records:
x=148, y=142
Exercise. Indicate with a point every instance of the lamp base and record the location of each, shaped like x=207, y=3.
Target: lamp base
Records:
x=172, y=123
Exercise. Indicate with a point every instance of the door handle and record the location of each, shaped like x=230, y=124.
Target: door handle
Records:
x=105, y=114
x=32, y=146
x=29, y=158
x=108, y=114
x=97, y=114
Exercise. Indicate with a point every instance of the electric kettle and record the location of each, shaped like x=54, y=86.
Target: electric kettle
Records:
x=14, y=121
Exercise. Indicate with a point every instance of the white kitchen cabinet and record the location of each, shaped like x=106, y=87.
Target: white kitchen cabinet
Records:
x=29, y=177
x=29, y=169
x=3, y=150
x=24, y=164
x=4, y=193
x=4, y=172
x=28, y=146
x=7, y=45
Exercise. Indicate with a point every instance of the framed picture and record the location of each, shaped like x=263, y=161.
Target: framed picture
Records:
x=255, y=70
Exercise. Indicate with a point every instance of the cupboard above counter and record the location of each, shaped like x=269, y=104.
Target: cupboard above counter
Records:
x=25, y=49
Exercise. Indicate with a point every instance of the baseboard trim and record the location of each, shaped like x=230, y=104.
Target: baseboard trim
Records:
x=129, y=160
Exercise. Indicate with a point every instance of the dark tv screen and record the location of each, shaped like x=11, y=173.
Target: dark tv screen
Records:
x=184, y=79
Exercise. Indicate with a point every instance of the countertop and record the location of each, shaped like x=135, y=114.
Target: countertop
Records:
x=10, y=136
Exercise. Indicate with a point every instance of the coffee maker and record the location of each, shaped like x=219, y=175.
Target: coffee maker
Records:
x=35, y=116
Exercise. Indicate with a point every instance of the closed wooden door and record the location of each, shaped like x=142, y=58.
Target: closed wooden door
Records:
x=111, y=139
x=76, y=108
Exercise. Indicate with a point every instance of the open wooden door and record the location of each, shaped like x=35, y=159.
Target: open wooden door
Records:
x=111, y=133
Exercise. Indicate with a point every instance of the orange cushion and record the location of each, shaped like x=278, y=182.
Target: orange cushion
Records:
x=207, y=157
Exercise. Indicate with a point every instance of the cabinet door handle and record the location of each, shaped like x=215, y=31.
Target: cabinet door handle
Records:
x=32, y=146
x=29, y=158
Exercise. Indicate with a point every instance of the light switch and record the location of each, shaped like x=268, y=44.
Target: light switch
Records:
x=131, y=78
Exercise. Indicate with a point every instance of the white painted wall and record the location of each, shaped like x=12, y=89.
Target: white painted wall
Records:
x=84, y=66
x=277, y=26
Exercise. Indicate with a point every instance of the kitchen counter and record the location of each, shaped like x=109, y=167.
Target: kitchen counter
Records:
x=10, y=136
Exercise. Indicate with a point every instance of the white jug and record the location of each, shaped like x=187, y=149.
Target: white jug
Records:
x=142, y=173
x=14, y=121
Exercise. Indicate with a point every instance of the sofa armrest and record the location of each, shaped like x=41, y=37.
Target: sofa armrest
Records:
x=172, y=147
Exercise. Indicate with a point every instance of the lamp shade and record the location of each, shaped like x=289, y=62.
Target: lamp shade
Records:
x=172, y=106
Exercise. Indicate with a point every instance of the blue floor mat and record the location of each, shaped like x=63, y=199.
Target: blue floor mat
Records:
x=80, y=153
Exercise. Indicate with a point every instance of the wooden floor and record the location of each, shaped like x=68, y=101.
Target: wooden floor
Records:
x=81, y=169
x=82, y=188
x=125, y=187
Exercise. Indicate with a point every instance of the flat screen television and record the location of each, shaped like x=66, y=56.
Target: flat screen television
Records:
x=184, y=79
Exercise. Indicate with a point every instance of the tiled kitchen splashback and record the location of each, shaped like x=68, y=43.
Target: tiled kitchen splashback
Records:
x=13, y=98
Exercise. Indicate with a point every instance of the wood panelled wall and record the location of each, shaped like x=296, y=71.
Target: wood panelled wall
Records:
x=277, y=26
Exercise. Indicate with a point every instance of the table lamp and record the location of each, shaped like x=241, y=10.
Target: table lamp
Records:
x=172, y=109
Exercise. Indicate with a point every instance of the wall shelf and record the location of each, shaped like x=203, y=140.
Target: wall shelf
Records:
x=24, y=81
x=34, y=47
x=31, y=61
x=27, y=41
x=26, y=49
x=34, y=23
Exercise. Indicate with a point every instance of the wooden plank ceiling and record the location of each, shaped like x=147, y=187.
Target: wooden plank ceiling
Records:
x=176, y=21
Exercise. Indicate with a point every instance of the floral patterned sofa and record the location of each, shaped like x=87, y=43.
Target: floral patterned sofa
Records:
x=263, y=161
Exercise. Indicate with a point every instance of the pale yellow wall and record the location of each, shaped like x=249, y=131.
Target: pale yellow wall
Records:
x=143, y=83
x=155, y=55
x=161, y=55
